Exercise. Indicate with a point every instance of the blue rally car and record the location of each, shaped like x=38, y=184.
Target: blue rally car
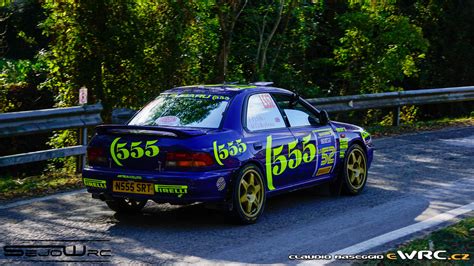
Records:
x=228, y=145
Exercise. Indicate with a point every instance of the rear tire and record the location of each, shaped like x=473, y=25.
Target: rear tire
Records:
x=354, y=172
x=248, y=195
x=126, y=205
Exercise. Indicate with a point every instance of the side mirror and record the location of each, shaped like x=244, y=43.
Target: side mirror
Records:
x=313, y=121
x=323, y=117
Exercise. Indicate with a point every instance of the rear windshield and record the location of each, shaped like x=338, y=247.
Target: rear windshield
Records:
x=183, y=110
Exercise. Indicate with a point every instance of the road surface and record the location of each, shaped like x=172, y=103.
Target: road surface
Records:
x=413, y=178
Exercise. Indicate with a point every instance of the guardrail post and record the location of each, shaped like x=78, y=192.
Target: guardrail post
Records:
x=81, y=160
x=396, y=116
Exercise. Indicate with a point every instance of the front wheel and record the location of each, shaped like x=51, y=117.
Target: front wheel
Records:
x=248, y=195
x=354, y=175
x=126, y=205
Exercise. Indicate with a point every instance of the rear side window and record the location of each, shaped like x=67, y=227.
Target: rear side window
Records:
x=183, y=110
x=263, y=113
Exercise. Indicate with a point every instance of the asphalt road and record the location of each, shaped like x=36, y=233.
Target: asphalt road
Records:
x=413, y=177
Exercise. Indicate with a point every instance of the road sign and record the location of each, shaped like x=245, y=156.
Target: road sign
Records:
x=83, y=95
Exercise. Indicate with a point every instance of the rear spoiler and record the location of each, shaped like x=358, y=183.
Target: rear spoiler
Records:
x=149, y=130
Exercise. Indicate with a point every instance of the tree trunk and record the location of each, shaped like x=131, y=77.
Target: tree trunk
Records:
x=227, y=22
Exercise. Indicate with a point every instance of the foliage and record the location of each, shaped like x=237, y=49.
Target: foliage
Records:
x=455, y=239
x=20, y=38
x=126, y=52
x=34, y=186
x=379, y=49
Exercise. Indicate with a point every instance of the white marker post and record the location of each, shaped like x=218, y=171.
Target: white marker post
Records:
x=83, y=95
x=82, y=133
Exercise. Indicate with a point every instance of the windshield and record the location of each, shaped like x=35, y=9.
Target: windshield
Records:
x=183, y=110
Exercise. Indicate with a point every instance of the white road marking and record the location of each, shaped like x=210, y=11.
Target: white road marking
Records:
x=396, y=234
x=29, y=201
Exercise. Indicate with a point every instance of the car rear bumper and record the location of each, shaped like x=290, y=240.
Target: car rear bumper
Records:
x=172, y=187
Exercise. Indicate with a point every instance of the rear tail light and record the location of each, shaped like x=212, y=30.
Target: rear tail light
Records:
x=96, y=156
x=188, y=159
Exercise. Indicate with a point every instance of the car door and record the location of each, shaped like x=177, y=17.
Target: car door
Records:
x=316, y=143
x=267, y=134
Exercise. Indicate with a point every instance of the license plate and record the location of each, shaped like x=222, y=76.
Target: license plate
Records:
x=133, y=187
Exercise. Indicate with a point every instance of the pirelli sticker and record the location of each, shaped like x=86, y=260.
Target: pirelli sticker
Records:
x=343, y=145
x=178, y=190
x=97, y=183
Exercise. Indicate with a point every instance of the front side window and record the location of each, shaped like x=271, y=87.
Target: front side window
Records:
x=183, y=110
x=263, y=113
x=298, y=114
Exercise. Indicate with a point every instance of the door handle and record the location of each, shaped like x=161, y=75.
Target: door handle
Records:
x=258, y=145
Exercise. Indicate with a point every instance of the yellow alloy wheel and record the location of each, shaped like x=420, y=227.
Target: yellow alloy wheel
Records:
x=356, y=168
x=251, y=193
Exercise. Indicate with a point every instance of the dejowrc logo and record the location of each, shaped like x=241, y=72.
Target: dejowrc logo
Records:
x=58, y=251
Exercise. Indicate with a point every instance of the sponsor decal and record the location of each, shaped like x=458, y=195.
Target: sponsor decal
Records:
x=277, y=163
x=169, y=120
x=220, y=184
x=340, y=129
x=97, y=183
x=267, y=101
x=343, y=145
x=231, y=148
x=365, y=135
x=123, y=151
x=325, y=141
x=178, y=190
x=324, y=170
x=201, y=96
x=135, y=177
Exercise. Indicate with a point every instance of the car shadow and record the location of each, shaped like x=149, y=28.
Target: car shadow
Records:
x=197, y=232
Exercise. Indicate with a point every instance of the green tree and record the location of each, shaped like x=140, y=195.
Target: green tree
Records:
x=379, y=50
x=127, y=52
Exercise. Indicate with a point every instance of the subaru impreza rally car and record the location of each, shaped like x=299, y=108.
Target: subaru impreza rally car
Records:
x=231, y=145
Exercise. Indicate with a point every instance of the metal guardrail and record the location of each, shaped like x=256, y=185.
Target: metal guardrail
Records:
x=31, y=122
x=393, y=99
x=366, y=101
x=39, y=121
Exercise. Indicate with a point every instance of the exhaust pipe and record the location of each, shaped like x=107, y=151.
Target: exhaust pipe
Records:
x=101, y=196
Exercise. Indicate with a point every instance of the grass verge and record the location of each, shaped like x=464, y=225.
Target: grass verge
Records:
x=455, y=239
x=34, y=186
x=380, y=131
